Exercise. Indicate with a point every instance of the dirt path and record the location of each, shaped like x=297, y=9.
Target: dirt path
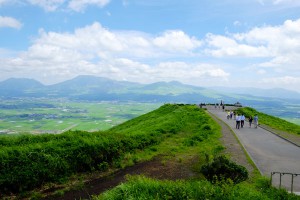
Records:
x=170, y=170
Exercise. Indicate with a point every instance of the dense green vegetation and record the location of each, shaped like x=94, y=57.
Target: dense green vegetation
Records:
x=271, y=121
x=222, y=169
x=142, y=188
x=28, y=161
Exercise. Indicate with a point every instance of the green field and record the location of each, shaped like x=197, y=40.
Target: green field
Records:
x=59, y=115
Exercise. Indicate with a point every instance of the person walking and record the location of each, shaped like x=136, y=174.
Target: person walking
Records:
x=250, y=121
x=255, y=119
x=242, y=120
x=238, y=121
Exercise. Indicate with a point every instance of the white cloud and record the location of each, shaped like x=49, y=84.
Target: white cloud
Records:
x=10, y=22
x=3, y=2
x=75, y=5
x=282, y=80
x=222, y=46
x=176, y=41
x=99, y=41
x=237, y=23
x=170, y=55
x=80, y=5
x=48, y=5
x=289, y=82
x=261, y=72
x=278, y=46
x=116, y=54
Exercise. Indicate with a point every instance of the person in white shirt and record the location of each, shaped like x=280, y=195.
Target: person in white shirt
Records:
x=238, y=121
x=242, y=120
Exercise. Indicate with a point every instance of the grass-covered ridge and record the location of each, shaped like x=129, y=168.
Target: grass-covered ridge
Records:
x=29, y=161
x=177, y=131
x=271, y=121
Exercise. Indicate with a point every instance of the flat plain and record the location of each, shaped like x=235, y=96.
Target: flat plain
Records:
x=58, y=115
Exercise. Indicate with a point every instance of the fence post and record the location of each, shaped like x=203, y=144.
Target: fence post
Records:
x=280, y=180
x=292, y=186
x=271, y=178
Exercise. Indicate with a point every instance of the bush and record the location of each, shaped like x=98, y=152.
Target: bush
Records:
x=223, y=169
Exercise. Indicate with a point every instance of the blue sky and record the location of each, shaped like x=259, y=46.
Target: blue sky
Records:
x=234, y=43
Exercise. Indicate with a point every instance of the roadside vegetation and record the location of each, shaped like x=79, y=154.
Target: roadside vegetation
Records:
x=271, y=121
x=174, y=132
x=143, y=188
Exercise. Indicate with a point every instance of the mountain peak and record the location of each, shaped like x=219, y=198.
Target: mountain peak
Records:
x=20, y=83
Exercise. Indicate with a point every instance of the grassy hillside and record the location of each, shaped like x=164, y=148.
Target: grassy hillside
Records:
x=179, y=131
x=29, y=161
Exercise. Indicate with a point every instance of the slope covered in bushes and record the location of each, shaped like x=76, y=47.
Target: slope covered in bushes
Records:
x=29, y=161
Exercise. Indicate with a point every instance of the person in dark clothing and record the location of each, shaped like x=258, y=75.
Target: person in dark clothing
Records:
x=250, y=121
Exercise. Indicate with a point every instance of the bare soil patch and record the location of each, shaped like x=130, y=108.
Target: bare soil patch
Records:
x=158, y=168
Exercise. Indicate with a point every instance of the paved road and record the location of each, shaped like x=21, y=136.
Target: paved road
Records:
x=269, y=152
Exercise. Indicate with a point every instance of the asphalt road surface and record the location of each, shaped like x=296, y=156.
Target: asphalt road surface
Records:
x=269, y=152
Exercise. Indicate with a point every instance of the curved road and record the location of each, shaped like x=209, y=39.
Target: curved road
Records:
x=269, y=152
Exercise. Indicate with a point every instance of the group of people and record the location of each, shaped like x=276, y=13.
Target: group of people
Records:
x=240, y=119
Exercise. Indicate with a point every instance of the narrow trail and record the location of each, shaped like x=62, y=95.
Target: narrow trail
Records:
x=269, y=152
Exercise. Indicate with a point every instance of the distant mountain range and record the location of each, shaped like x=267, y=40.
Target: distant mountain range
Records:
x=102, y=89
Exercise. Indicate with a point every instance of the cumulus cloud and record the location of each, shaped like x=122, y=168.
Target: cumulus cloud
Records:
x=176, y=41
x=54, y=5
x=97, y=50
x=10, y=22
x=3, y=2
x=97, y=40
x=278, y=46
x=80, y=5
x=222, y=46
x=48, y=5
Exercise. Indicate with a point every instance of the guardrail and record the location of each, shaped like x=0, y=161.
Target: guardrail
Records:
x=282, y=174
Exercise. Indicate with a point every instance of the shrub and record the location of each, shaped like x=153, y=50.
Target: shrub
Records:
x=222, y=168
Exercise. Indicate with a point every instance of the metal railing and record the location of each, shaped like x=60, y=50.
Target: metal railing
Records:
x=282, y=174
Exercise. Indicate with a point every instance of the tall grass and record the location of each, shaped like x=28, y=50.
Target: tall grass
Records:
x=143, y=188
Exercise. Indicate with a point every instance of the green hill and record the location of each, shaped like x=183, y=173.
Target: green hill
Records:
x=181, y=132
x=28, y=161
